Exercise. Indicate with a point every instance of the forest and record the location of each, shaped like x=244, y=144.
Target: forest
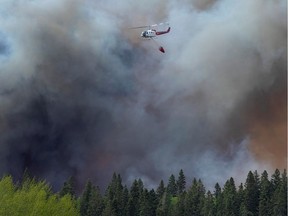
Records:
x=259, y=195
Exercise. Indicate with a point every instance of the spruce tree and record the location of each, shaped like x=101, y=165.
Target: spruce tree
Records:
x=96, y=204
x=181, y=204
x=144, y=204
x=114, y=204
x=134, y=198
x=172, y=186
x=160, y=190
x=244, y=211
x=153, y=202
x=125, y=198
x=181, y=182
x=265, y=195
x=251, y=194
x=209, y=208
x=279, y=197
x=283, y=193
x=91, y=202
x=163, y=199
x=68, y=188
x=219, y=206
x=195, y=198
x=276, y=179
x=85, y=199
x=241, y=197
x=148, y=203
x=230, y=198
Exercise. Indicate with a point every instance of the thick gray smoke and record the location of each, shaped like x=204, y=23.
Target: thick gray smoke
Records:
x=81, y=94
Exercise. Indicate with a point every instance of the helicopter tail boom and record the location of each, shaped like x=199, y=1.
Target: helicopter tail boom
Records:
x=162, y=32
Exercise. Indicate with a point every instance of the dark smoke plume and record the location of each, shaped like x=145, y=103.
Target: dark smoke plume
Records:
x=81, y=95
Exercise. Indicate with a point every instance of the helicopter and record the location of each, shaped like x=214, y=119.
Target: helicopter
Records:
x=151, y=33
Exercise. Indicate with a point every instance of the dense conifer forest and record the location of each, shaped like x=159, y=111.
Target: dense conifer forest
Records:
x=259, y=195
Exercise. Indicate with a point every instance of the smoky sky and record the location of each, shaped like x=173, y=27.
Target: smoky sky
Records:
x=82, y=95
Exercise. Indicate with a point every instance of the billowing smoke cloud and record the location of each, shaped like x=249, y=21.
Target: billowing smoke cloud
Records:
x=82, y=95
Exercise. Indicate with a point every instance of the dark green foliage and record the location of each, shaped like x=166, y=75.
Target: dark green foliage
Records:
x=85, y=198
x=209, y=205
x=195, y=198
x=265, y=195
x=96, y=204
x=114, y=198
x=134, y=198
x=125, y=198
x=91, y=202
x=252, y=194
x=259, y=196
x=172, y=186
x=68, y=188
x=144, y=204
x=160, y=190
x=160, y=211
x=148, y=203
x=230, y=198
x=279, y=196
x=219, y=204
x=181, y=182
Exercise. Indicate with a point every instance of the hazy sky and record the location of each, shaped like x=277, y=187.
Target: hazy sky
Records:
x=82, y=94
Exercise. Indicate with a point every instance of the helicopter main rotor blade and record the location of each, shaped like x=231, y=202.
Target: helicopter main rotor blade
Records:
x=139, y=27
x=149, y=26
x=159, y=24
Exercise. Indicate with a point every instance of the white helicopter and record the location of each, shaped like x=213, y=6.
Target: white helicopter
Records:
x=151, y=33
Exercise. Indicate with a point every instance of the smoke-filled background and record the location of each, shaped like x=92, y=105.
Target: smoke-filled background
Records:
x=82, y=95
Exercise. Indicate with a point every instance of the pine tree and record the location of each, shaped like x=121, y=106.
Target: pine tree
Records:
x=148, y=203
x=265, y=195
x=131, y=207
x=276, y=179
x=209, y=208
x=164, y=205
x=181, y=182
x=96, y=204
x=140, y=185
x=161, y=197
x=279, y=197
x=172, y=187
x=181, y=204
x=195, y=198
x=134, y=198
x=85, y=199
x=219, y=206
x=283, y=194
x=240, y=197
x=125, y=198
x=244, y=211
x=251, y=194
x=114, y=204
x=160, y=190
x=144, y=204
x=68, y=188
x=230, y=198
x=153, y=202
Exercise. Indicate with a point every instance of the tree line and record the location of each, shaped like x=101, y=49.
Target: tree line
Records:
x=258, y=196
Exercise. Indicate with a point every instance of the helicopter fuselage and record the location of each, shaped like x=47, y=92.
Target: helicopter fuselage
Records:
x=150, y=33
